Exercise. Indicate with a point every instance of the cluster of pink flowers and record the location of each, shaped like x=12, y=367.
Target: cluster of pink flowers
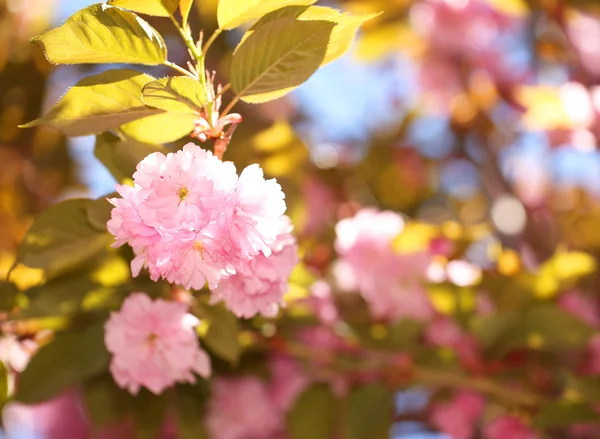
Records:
x=390, y=282
x=154, y=344
x=259, y=284
x=191, y=220
x=508, y=427
x=258, y=407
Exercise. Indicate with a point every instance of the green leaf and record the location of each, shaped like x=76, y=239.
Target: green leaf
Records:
x=398, y=337
x=314, y=414
x=149, y=413
x=8, y=295
x=105, y=403
x=160, y=128
x=60, y=296
x=588, y=387
x=102, y=34
x=121, y=158
x=65, y=362
x=159, y=8
x=544, y=327
x=232, y=13
x=342, y=36
x=99, y=103
x=3, y=385
x=98, y=213
x=370, y=412
x=278, y=57
x=178, y=94
x=564, y=414
x=61, y=238
x=190, y=401
x=222, y=335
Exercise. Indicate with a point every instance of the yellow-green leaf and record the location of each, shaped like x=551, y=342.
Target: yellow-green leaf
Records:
x=159, y=8
x=61, y=238
x=103, y=34
x=185, y=6
x=278, y=57
x=232, y=13
x=342, y=35
x=178, y=94
x=99, y=103
x=121, y=156
x=160, y=128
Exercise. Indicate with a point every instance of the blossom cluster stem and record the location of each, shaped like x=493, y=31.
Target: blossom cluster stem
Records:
x=196, y=53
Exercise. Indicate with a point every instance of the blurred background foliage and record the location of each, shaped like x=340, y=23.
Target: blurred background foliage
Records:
x=478, y=119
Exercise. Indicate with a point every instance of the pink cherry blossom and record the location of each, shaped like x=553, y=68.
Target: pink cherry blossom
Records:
x=508, y=427
x=288, y=381
x=242, y=408
x=259, y=284
x=391, y=283
x=191, y=220
x=154, y=345
x=457, y=418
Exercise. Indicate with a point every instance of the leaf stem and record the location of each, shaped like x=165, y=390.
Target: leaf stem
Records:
x=228, y=108
x=179, y=69
x=224, y=90
x=189, y=42
x=211, y=40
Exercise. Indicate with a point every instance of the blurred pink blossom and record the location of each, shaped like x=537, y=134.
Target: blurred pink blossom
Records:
x=574, y=302
x=154, y=345
x=391, y=283
x=505, y=427
x=242, y=408
x=458, y=417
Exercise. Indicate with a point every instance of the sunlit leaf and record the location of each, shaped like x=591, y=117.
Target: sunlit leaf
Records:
x=61, y=238
x=178, y=94
x=560, y=268
x=71, y=357
x=342, y=36
x=185, y=6
x=103, y=34
x=232, y=13
x=278, y=57
x=313, y=415
x=159, y=8
x=3, y=384
x=159, y=128
x=517, y=8
x=99, y=103
x=122, y=156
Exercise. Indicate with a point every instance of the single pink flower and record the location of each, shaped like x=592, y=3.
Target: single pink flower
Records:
x=242, y=408
x=457, y=418
x=505, y=427
x=154, y=345
x=443, y=332
x=259, y=284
